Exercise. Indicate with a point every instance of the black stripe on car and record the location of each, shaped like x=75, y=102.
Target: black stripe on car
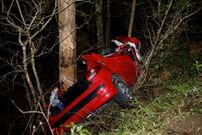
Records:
x=77, y=107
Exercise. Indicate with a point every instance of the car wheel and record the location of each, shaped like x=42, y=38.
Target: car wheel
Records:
x=124, y=96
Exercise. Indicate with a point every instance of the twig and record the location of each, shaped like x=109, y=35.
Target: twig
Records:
x=33, y=112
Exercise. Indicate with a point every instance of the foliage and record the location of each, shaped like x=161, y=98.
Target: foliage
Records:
x=79, y=130
x=198, y=67
x=26, y=27
x=165, y=21
x=177, y=102
x=167, y=100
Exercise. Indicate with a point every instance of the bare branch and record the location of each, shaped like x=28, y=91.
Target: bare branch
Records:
x=186, y=17
x=45, y=24
x=33, y=112
x=163, y=22
x=20, y=11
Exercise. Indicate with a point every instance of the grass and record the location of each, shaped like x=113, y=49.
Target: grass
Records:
x=177, y=97
x=151, y=117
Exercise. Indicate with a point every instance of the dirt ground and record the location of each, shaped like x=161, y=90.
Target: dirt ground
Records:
x=190, y=126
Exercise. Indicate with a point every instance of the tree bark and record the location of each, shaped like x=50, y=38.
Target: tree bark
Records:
x=99, y=23
x=67, y=49
x=107, y=36
x=131, y=23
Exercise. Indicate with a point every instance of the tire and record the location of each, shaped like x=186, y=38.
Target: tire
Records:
x=124, y=96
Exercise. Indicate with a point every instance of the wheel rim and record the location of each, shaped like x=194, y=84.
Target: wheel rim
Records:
x=122, y=87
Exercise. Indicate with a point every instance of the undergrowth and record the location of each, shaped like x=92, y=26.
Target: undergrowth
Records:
x=177, y=97
x=177, y=102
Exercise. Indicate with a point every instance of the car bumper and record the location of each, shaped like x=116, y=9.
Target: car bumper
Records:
x=95, y=96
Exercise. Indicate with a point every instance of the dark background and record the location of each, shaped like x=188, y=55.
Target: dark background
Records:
x=11, y=120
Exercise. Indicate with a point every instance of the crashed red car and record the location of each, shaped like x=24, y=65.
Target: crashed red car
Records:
x=109, y=76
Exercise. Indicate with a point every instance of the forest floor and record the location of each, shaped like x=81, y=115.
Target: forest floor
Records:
x=191, y=125
x=169, y=104
x=174, y=112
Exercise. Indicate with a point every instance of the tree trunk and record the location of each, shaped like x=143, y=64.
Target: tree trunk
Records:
x=107, y=36
x=67, y=49
x=99, y=23
x=131, y=23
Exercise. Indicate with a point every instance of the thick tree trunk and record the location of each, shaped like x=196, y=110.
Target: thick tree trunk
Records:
x=67, y=49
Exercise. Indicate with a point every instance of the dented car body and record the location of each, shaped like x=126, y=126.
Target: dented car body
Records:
x=109, y=76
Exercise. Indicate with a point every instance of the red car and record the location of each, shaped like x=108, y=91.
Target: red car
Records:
x=109, y=75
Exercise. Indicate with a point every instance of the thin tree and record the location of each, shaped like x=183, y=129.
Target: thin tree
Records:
x=25, y=22
x=131, y=22
x=106, y=9
x=164, y=22
x=99, y=23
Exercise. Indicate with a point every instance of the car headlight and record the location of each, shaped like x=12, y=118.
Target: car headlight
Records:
x=92, y=73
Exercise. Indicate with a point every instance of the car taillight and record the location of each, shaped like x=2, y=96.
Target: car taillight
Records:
x=92, y=73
